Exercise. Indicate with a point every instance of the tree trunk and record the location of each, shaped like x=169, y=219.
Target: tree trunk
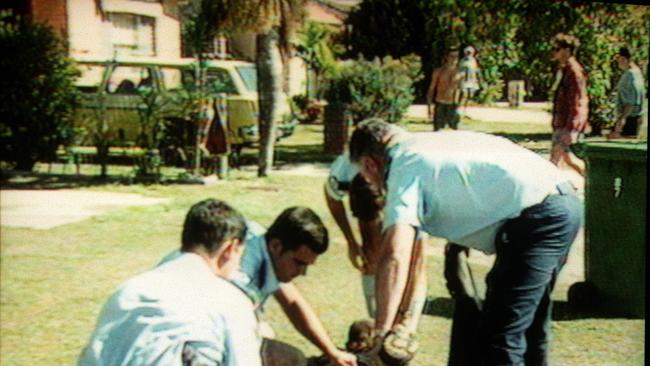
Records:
x=269, y=82
x=336, y=128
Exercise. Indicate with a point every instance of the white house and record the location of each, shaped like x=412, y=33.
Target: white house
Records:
x=103, y=29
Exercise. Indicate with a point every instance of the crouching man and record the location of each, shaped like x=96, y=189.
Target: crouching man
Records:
x=184, y=311
x=271, y=261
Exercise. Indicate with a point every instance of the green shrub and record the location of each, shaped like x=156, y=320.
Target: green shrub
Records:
x=375, y=88
x=37, y=94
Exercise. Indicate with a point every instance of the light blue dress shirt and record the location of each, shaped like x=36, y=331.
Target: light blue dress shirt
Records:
x=256, y=273
x=152, y=316
x=463, y=185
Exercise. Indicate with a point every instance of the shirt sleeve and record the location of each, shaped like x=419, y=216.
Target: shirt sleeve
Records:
x=402, y=201
x=341, y=174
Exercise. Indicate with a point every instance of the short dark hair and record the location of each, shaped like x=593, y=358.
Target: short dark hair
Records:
x=625, y=52
x=209, y=224
x=564, y=40
x=298, y=226
x=368, y=139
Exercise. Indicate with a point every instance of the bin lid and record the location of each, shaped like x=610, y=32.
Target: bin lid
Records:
x=632, y=150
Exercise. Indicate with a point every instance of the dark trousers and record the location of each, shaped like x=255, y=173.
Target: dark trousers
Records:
x=531, y=249
x=631, y=126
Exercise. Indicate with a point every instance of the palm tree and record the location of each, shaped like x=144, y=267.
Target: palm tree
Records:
x=313, y=46
x=275, y=23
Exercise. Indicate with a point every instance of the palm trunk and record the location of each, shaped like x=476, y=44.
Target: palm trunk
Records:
x=269, y=76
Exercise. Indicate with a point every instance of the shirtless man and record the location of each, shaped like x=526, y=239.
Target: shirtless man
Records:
x=444, y=91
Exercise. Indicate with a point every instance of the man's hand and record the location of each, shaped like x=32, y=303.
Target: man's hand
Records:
x=398, y=347
x=356, y=255
x=342, y=358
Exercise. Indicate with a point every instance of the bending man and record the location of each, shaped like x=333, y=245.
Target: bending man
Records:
x=483, y=192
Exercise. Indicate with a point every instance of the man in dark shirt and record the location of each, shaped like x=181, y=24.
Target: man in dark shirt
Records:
x=570, y=103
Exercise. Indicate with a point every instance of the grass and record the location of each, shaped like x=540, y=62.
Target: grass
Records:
x=54, y=282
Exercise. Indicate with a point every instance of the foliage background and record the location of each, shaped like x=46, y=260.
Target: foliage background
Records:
x=37, y=96
x=512, y=39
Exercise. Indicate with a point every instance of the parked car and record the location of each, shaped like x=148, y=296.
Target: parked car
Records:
x=115, y=88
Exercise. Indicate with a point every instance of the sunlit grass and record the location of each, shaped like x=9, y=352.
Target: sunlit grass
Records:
x=54, y=282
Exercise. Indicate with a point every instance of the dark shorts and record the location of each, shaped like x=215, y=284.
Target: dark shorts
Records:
x=631, y=126
x=445, y=115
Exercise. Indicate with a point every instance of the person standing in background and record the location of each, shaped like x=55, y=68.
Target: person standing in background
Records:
x=629, y=97
x=570, y=103
x=470, y=73
x=443, y=91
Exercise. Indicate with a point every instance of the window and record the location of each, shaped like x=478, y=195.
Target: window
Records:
x=249, y=75
x=171, y=78
x=220, y=46
x=218, y=80
x=132, y=34
x=128, y=80
x=90, y=78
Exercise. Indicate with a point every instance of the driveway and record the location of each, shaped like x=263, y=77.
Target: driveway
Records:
x=536, y=113
x=45, y=209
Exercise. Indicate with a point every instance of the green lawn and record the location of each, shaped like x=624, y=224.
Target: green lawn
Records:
x=53, y=282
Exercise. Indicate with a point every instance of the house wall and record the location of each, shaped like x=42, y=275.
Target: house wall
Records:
x=52, y=12
x=90, y=36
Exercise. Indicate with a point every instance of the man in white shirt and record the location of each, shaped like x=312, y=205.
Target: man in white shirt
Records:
x=483, y=192
x=185, y=311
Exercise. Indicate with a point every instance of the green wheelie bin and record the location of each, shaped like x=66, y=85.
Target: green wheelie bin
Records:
x=615, y=227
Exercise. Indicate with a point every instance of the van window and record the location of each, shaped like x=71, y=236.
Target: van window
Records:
x=90, y=78
x=128, y=80
x=172, y=79
x=249, y=75
x=219, y=81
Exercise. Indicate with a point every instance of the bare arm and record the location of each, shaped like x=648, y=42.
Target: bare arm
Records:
x=431, y=90
x=392, y=273
x=338, y=212
x=620, y=121
x=305, y=320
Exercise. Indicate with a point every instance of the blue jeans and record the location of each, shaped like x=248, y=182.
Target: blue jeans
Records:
x=531, y=249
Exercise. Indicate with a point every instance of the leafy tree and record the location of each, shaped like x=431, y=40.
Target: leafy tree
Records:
x=315, y=46
x=380, y=88
x=397, y=28
x=512, y=39
x=37, y=94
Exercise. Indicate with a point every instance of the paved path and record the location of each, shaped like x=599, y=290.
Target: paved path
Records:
x=535, y=113
x=45, y=209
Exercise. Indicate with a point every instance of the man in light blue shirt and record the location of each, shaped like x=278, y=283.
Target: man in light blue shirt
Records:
x=272, y=259
x=184, y=311
x=482, y=192
x=629, y=98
